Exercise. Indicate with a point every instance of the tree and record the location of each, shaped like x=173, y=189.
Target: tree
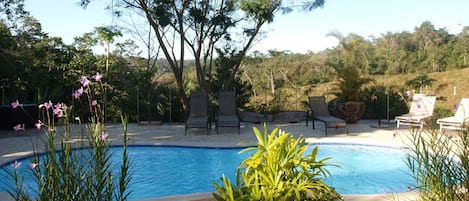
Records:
x=428, y=40
x=203, y=26
x=353, y=50
x=11, y=11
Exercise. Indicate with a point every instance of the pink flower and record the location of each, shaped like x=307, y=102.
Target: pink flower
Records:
x=77, y=93
x=18, y=127
x=408, y=93
x=84, y=81
x=38, y=126
x=103, y=136
x=47, y=105
x=33, y=165
x=94, y=103
x=97, y=77
x=58, y=112
x=15, y=104
x=16, y=165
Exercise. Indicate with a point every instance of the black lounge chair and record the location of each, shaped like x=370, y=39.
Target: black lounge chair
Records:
x=320, y=112
x=227, y=113
x=198, y=116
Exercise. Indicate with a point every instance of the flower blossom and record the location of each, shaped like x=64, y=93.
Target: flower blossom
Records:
x=16, y=165
x=77, y=93
x=97, y=77
x=408, y=93
x=33, y=165
x=58, y=112
x=103, y=136
x=47, y=105
x=38, y=125
x=94, y=103
x=18, y=127
x=84, y=81
x=15, y=104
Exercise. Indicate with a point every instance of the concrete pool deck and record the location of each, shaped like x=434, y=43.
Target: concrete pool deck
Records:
x=14, y=145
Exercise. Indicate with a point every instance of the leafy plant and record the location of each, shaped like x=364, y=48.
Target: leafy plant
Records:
x=440, y=165
x=278, y=169
x=65, y=174
x=419, y=82
x=350, y=83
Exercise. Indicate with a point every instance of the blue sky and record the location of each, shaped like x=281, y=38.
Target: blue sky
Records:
x=296, y=32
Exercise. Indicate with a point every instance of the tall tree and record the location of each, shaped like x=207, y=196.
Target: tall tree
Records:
x=201, y=26
x=11, y=11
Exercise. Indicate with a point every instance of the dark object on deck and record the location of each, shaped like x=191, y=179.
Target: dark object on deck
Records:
x=227, y=113
x=320, y=112
x=198, y=116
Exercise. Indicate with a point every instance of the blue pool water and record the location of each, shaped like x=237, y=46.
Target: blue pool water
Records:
x=159, y=171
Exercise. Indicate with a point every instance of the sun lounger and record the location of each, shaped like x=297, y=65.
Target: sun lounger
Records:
x=227, y=113
x=460, y=118
x=421, y=108
x=320, y=112
x=198, y=112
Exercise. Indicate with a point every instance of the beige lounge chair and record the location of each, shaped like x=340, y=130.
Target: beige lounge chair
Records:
x=227, y=113
x=198, y=116
x=320, y=112
x=460, y=118
x=421, y=108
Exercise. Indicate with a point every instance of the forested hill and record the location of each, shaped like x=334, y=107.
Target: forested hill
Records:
x=391, y=59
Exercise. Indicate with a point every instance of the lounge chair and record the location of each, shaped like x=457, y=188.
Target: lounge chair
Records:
x=227, y=114
x=198, y=116
x=320, y=112
x=460, y=118
x=421, y=108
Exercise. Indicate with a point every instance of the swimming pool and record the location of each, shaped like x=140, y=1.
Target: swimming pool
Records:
x=159, y=171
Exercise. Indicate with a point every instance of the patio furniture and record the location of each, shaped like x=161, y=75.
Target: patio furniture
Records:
x=320, y=112
x=198, y=116
x=227, y=114
x=460, y=118
x=421, y=108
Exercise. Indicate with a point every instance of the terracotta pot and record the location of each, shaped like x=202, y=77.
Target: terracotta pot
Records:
x=350, y=111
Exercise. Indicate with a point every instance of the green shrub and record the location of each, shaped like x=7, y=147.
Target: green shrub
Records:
x=65, y=174
x=440, y=164
x=279, y=169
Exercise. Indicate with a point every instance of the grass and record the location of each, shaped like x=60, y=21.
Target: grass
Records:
x=442, y=87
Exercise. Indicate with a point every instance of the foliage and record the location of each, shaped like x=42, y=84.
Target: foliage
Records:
x=278, y=169
x=440, y=164
x=65, y=174
x=221, y=80
x=199, y=27
x=350, y=83
x=377, y=100
x=419, y=82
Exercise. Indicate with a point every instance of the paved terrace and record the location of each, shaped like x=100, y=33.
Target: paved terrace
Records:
x=14, y=145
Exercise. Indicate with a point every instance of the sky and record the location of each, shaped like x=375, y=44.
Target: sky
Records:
x=297, y=32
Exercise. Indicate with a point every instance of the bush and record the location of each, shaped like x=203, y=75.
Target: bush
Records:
x=440, y=165
x=377, y=102
x=64, y=174
x=278, y=170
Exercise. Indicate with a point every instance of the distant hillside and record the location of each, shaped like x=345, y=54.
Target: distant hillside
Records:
x=443, y=87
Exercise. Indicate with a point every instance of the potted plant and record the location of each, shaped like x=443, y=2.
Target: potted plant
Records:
x=349, y=105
